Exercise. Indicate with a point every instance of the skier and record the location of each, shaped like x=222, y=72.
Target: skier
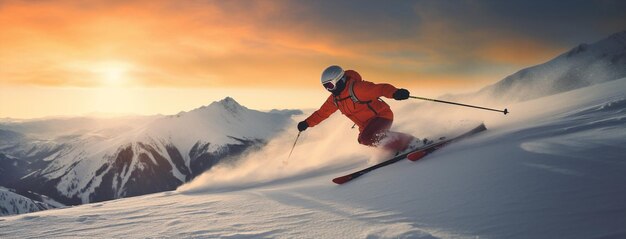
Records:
x=360, y=101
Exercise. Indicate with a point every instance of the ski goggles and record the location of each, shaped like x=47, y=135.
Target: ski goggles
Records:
x=331, y=84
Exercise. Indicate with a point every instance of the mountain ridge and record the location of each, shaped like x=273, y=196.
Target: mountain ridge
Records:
x=581, y=66
x=103, y=161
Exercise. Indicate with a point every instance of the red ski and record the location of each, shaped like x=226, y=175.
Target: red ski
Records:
x=413, y=155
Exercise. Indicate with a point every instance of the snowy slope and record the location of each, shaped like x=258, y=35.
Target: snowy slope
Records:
x=584, y=65
x=13, y=203
x=539, y=172
x=81, y=160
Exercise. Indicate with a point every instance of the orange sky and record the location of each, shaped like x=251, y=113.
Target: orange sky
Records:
x=73, y=57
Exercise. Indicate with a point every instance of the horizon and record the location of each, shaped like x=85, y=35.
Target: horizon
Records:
x=69, y=59
x=112, y=115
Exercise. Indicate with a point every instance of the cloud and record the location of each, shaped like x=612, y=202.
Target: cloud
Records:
x=287, y=43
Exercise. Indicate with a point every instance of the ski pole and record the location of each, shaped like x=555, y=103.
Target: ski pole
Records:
x=294, y=145
x=505, y=111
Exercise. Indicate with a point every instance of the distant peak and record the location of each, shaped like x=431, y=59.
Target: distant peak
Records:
x=619, y=34
x=619, y=37
x=228, y=100
x=229, y=104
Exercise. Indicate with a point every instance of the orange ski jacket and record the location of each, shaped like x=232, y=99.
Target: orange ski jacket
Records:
x=361, y=106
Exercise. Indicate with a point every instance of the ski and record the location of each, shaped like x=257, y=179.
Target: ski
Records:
x=412, y=155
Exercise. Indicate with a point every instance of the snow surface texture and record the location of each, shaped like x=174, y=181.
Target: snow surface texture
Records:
x=553, y=168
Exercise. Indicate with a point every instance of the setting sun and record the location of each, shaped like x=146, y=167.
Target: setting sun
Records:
x=63, y=47
x=112, y=73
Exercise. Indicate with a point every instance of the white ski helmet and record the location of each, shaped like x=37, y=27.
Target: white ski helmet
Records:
x=331, y=77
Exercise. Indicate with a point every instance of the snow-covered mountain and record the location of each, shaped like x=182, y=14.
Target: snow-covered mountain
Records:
x=584, y=65
x=81, y=160
x=13, y=203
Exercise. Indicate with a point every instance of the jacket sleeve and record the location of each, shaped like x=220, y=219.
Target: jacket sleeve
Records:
x=365, y=90
x=327, y=109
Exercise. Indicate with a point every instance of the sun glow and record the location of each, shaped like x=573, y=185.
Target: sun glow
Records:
x=113, y=73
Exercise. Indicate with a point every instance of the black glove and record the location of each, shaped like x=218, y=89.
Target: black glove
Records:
x=302, y=126
x=401, y=94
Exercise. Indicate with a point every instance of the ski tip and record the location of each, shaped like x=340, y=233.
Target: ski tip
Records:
x=342, y=180
x=481, y=127
x=416, y=155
